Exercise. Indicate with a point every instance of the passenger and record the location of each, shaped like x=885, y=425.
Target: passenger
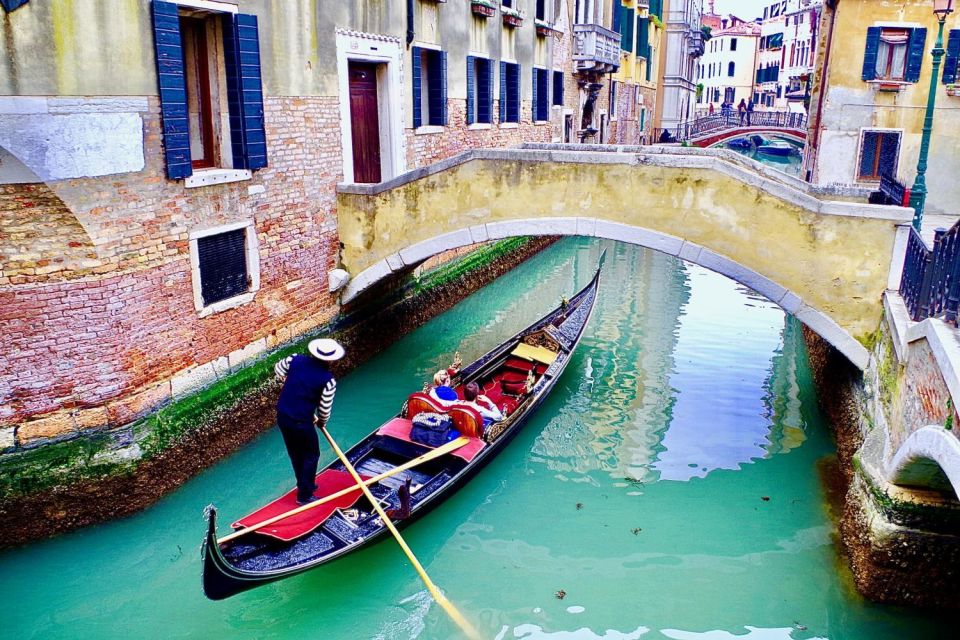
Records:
x=442, y=392
x=481, y=404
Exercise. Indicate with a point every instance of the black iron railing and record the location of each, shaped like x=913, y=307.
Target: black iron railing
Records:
x=719, y=122
x=930, y=284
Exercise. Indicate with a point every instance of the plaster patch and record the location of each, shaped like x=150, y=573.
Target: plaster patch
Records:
x=59, y=147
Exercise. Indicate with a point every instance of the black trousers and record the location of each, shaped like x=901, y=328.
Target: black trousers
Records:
x=303, y=447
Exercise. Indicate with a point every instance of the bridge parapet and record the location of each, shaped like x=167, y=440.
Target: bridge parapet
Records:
x=826, y=261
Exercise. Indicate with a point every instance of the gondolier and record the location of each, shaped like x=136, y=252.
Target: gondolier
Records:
x=305, y=401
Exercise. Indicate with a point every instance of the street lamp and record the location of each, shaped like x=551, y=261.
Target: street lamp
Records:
x=918, y=194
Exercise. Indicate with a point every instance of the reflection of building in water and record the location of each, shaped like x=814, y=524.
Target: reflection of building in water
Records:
x=616, y=419
x=782, y=399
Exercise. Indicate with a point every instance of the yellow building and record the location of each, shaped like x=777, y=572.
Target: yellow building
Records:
x=870, y=93
x=633, y=88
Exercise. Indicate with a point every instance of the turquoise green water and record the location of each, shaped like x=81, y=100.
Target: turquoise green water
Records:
x=788, y=164
x=638, y=490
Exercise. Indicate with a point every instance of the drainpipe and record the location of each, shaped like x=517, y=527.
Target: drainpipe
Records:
x=834, y=6
x=410, y=31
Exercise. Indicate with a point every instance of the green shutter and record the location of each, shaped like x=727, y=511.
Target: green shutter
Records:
x=953, y=57
x=626, y=29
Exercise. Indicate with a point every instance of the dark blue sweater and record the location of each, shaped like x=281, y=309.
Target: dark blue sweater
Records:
x=303, y=388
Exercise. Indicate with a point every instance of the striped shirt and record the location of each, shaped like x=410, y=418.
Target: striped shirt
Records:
x=307, y=394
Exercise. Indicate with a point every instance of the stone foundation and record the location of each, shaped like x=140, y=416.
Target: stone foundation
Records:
x=903, y=545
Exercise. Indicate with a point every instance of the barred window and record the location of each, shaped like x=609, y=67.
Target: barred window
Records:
x=226, y=271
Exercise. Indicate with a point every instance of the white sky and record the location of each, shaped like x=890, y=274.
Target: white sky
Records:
x=746, y=9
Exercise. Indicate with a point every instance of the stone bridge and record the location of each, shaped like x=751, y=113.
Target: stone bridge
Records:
x=824, y=260
x=709, y=131
x=714, y=138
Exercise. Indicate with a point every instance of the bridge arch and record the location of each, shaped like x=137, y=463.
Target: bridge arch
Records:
x=827, y=262
x=930, y=457
x=716, y=139
x=789, y=301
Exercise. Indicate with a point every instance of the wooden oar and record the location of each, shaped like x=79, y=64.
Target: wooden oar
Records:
x=453, y=445
x=441, y=599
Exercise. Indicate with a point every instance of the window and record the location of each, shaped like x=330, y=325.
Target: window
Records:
x=541, y=95
x=429, y=87
x=894, y=54
x=541, y=10
x=208, y=63
x=731, y=68
x=479, y=90
x=729, y=94
x=879, y=154
x=509, y=92
x=733, y=44
x=952, y=61
x=225, y=266
x=557, y=88
x=613, y=98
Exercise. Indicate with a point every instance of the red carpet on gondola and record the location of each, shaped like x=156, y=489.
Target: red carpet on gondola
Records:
x=328, y=482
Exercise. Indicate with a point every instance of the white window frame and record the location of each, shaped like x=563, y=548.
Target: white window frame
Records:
x=353, y=46
x=253, y=267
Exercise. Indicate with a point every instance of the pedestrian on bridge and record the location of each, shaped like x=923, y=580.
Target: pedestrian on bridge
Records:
x=749, y=111
x=306, y=401
x=742, y=109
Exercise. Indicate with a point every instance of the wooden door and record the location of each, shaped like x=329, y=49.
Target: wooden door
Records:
x=365, y=122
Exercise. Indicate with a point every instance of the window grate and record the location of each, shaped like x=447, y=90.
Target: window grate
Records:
x=223, y=266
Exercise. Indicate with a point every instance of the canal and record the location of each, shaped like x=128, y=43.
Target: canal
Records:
x=669, y=488
x=748, y=146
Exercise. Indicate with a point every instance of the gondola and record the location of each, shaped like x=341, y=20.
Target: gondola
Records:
x=518, y=375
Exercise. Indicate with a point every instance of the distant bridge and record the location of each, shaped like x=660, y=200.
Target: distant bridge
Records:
x=711, y=130
x=827, y=262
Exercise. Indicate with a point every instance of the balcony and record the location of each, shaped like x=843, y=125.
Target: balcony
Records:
x=596, y=48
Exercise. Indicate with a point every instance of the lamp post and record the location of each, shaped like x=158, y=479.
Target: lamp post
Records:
x=918, y=194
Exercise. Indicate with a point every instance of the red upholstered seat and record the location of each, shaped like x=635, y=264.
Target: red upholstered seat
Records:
x=514, y=388
x=513, y=376
x=420, y=402
x=467, y=421
x=518, y=364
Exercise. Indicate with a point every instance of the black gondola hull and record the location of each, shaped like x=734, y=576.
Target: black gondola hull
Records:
x=221, y=579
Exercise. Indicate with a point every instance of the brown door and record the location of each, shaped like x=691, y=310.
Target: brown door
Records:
x=364, y=122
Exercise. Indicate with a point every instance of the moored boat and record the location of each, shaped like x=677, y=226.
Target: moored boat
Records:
x=776, y=148
x=412, y=478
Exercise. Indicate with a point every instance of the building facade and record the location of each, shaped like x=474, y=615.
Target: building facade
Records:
x=727, y=68
x=682, y=48
x=798, y=56
x=869, y=95
x=168, y=174
x=768, y=94
x=633, y=88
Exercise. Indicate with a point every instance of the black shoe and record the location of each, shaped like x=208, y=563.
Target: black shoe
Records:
x=307, y=501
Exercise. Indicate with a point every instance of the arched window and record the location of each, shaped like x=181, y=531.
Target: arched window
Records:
x=730, y=69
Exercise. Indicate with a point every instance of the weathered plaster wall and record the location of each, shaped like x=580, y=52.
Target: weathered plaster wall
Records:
x=852, y=104
x=838, y=264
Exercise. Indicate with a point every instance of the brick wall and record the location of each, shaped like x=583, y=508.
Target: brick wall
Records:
x=424, y=149
x=99, y=339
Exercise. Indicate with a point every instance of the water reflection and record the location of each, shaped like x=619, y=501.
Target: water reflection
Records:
x=748, y=146
x=656, y=398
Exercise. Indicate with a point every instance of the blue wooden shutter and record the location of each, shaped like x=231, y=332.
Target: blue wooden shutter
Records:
x=915, y=53
x=173, y=90
x=503, y=92
x=241, y=48
x=490, y=86
x=870, y=54
x=626, y=30
x=535, y=102
x=953, y=57
x=443, y=88
x=471, y=90
x=417, y=75
x=10, y=5
x=513, y=93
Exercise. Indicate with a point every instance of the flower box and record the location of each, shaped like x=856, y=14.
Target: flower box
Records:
x=544, y=30
x=953, y=89
x=482, y=9
x=512, y=20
